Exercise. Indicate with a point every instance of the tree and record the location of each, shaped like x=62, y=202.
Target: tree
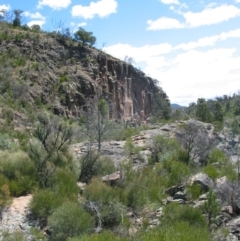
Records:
x=17, y=19
x=47, y=150
x=161, y=108
x=36, y=28
x=95, y=121
x=202, y=112
x=211, y=208
x=84, y=37
x=218, y=112
x=194, y=141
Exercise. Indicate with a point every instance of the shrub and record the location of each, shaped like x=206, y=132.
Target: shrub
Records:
x=69, y=220
x=8, y=114
x=97, y=191
x=65, y=184
x=19, y=170
x=175, y=212
x=44, y=202
x=178, y=231
x=211, y=171
x=104, y=236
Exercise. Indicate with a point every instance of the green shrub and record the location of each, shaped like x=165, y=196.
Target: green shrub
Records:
x=97, y=191
x=217, y=156
x=211, y=171
x=104, y=236
x=175, y=212
x=69, y=220
x=194, y=191
x=8, y=114
x=44, y=202
x=104, y=166
x=65, y=184
x=179, y=231
x=19, y=170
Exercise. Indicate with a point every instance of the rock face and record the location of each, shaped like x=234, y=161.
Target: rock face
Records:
x=64, y=76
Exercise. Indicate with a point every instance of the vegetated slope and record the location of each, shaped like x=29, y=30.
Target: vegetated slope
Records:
x=39, y=68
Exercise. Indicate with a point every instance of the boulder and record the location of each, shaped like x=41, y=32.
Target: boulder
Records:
x=202, y=179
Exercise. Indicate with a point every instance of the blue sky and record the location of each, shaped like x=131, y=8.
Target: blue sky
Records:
x=191, y=47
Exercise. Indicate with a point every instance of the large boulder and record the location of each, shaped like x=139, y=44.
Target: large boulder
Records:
x=203, y=180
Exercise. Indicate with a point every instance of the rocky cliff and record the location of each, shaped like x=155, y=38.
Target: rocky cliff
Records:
x=41, y=68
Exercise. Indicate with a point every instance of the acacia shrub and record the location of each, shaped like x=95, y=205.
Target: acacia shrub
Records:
x=19, y=170
x=69, y=220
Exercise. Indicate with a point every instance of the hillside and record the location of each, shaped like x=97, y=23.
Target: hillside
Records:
x=89, y=149
x=51, y=70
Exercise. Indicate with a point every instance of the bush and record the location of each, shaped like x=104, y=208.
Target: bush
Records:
x=69, y=220
x=19, y=170
x=179, y=231
x=97, y=191
x=65, y=184
x=181, y=213
x=44, y=202
x=211, y=171
x=104, y=236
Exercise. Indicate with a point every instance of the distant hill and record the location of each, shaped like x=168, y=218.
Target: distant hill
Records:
x=176, y=106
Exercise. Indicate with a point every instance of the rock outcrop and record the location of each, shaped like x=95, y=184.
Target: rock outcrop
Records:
x=65, y=76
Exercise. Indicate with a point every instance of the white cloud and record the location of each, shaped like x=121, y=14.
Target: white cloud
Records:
x=170, y=1
x=56, y=5
x=211, y=15
x=196, y=74
x=164, y=23
x=37, y=17
x=5, y=7
x=82, y=24
x=208, y=16
x=138, y=54
x=102, y=8
x=36, y=22
x=185, y=71
x=209, y=41
x=237, y=1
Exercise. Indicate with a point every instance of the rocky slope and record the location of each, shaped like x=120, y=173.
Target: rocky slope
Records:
x=43, y=69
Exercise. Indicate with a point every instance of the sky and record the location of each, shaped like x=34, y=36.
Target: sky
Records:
x=192, y=47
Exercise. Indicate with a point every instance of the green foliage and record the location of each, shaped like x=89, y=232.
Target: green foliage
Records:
x=177, y=171
x=69, y=220
x=65, y=184
x=104, y=236
x=175, y=212
x=49, y=149
x=63, y=78
x=35, y=28
x=44, y=202
x=211, y=208
x=8, y=114
x=6, y=142
x=218, y=112
x=17, y=19
x=202, y=111
x=194, y=191
x=179, y=231
x=217, y=156
x=84, y=37
x=211, y=171
x=97, y=191
x=19, y=170
x=15, y=236
x=163, y=148
x=102, y=202
x=161, y=108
